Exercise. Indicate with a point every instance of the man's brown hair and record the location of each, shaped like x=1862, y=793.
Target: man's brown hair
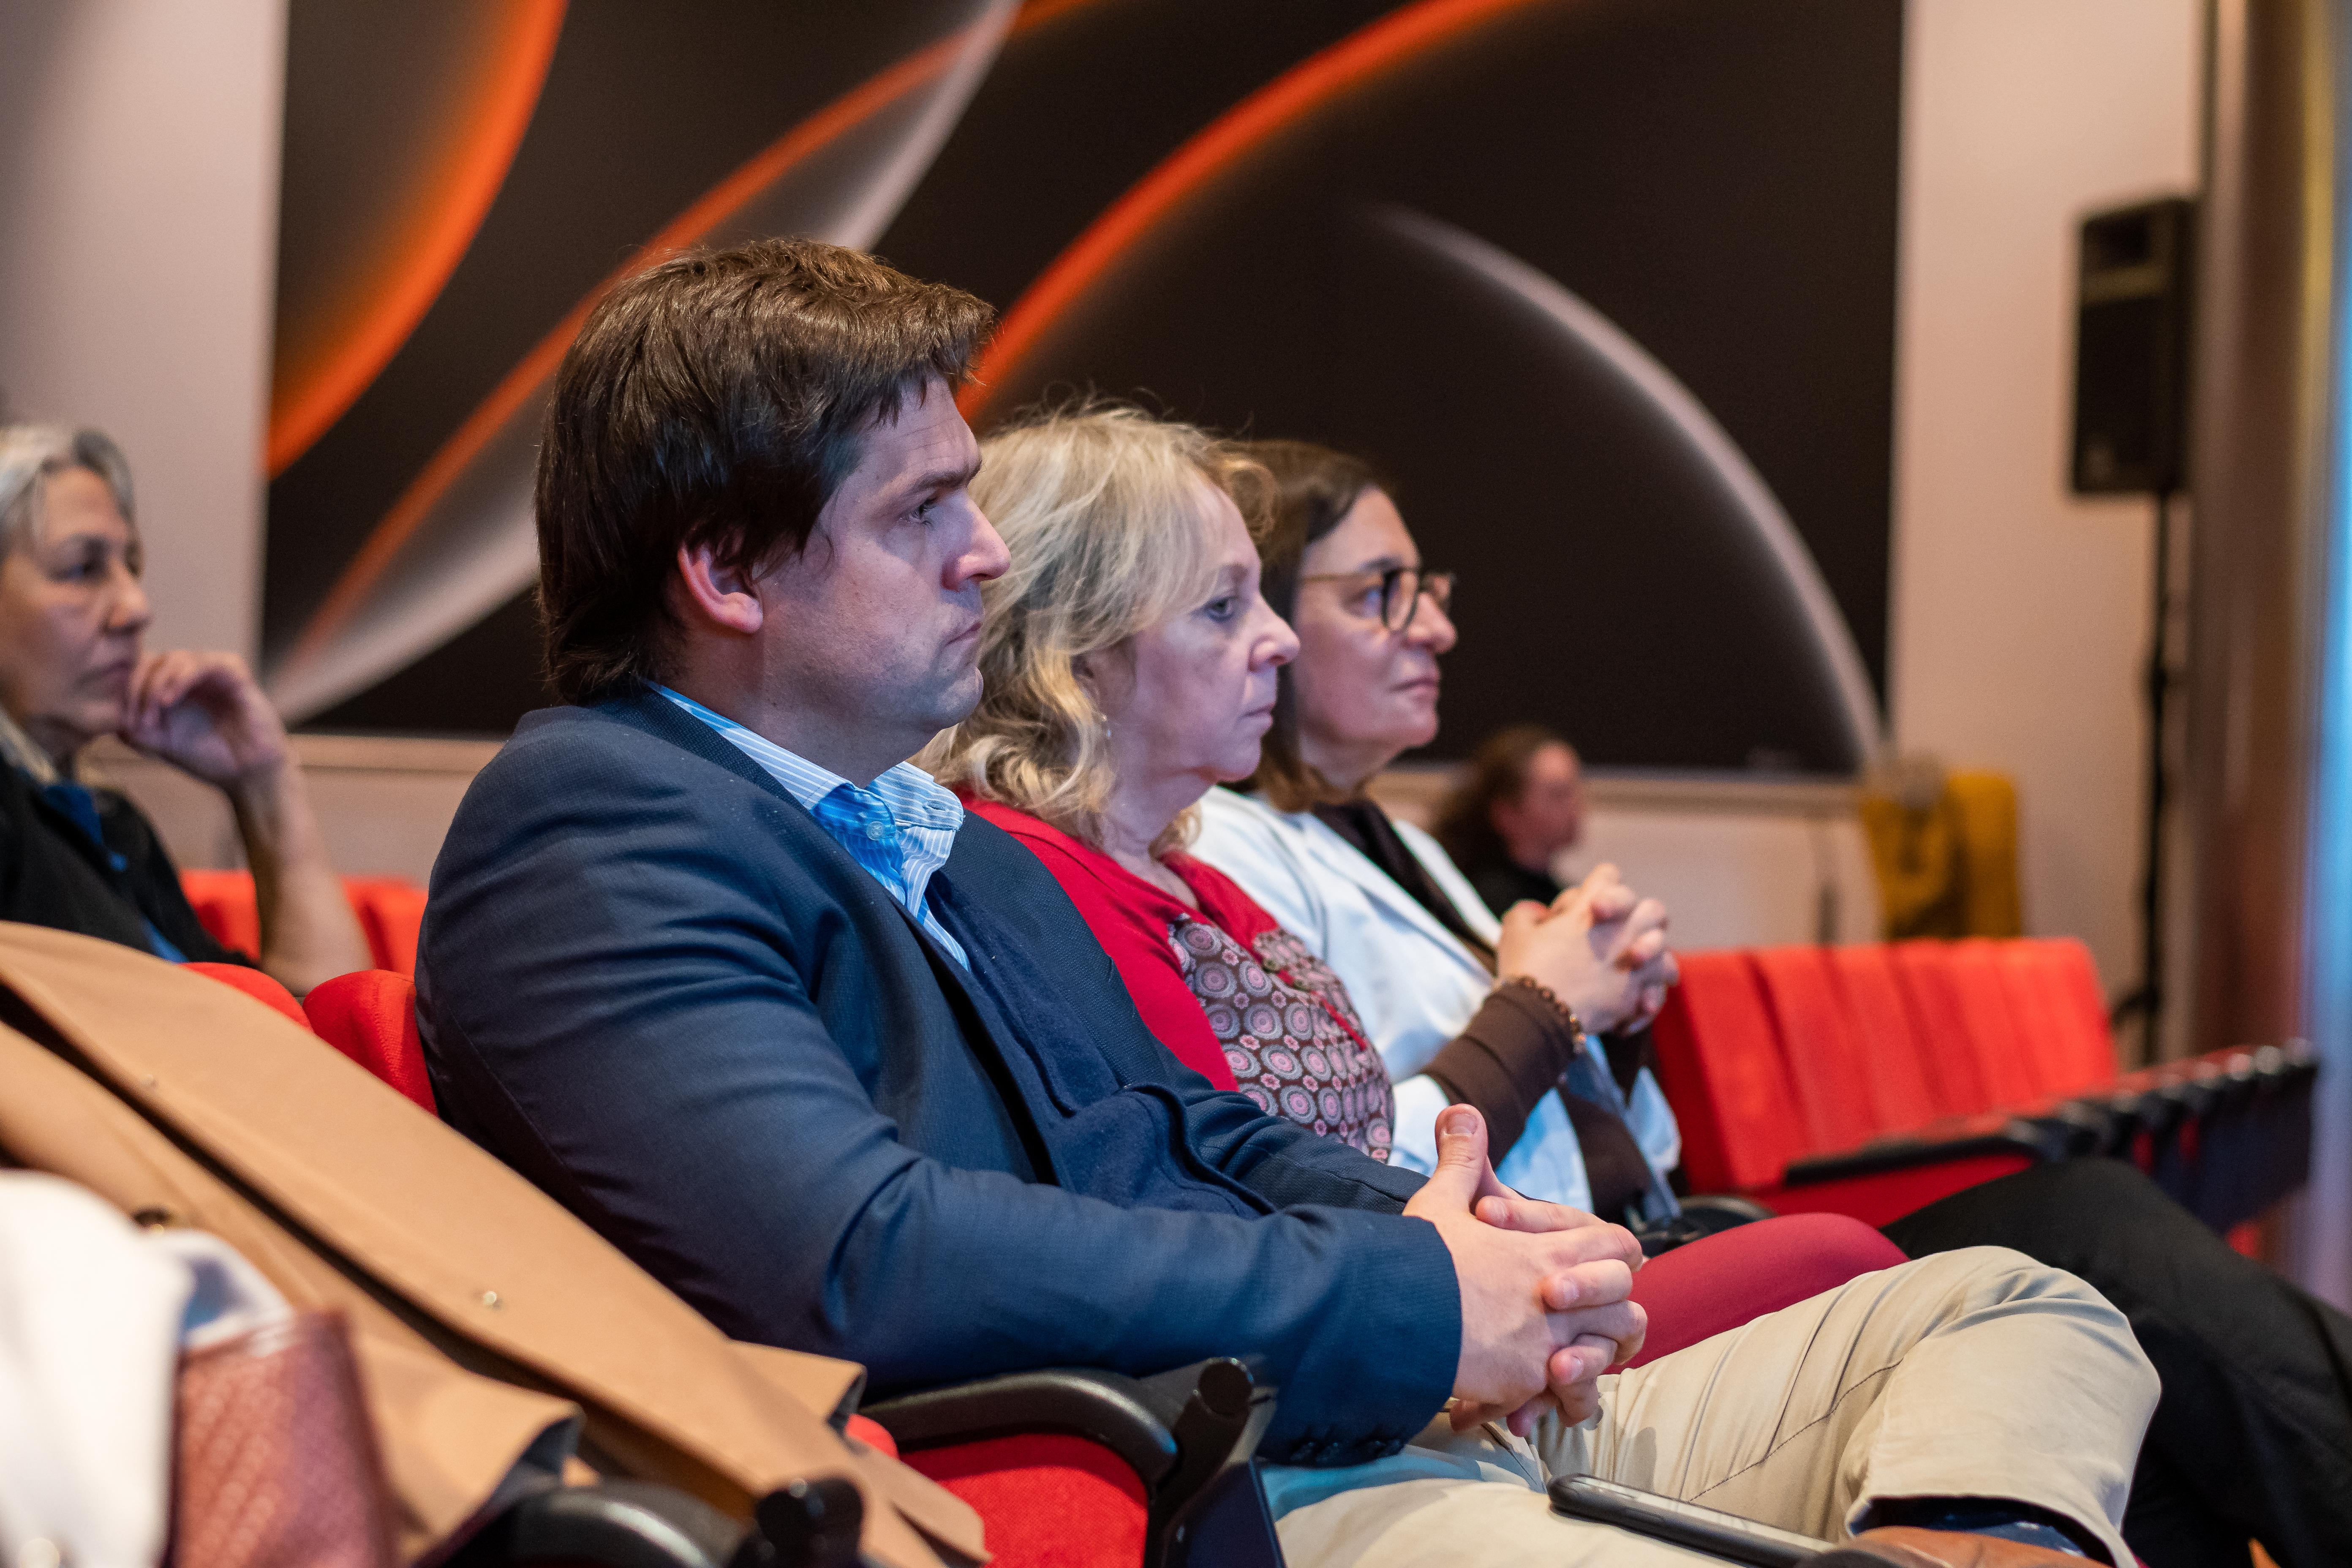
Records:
x=716, y=399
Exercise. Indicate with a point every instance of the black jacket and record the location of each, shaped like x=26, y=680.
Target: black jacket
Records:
x=52, y=873
x=651, y=981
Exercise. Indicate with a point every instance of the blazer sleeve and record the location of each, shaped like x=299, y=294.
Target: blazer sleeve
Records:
x=612, y=1002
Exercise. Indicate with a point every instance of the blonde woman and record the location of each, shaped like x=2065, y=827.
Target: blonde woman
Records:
x=1129, y=666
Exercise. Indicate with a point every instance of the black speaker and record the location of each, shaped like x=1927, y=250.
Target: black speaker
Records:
x=2131, y=348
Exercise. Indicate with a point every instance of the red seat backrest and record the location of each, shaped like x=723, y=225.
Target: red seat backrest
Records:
x=390, y=911
x=370, y=1015
x=1948, y=1058
x=1720, y=1063
x=1902, y=1095
x=2053, y=994
x=224, y=907
x=2007, y=1065
x=1826, y=1066
x=254, y=984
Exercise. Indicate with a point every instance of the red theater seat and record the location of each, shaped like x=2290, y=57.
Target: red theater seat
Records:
x=256, y=985
x=2055, y=982
x=1947, y=1056
x=390, y=911
x=2009, y=1070
x=1719, y=1064
x=370, y=1015
x=1827, y=1065
x=224, y=907
x=1885, y=1033
x=1870, y=1080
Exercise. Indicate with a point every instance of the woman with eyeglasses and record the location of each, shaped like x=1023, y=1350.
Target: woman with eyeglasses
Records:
x=2239, y=1350
x=1129, y=665
x=1377, y=900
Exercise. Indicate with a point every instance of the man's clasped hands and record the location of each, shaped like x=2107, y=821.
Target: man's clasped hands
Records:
x=1546, y=1307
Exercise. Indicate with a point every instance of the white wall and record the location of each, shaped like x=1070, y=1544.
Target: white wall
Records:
x=2020, y=614
x=139, y=146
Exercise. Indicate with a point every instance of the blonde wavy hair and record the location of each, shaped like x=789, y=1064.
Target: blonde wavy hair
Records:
x=1101, y=508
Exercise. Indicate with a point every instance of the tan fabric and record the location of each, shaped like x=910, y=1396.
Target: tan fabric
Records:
x=1969, y=1373
x=488, y=1320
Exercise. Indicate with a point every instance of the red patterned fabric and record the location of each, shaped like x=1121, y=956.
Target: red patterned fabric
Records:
x=1288, y=1031
x=1231, y=993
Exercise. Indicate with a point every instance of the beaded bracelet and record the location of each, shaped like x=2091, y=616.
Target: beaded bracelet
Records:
x=1576, y=1031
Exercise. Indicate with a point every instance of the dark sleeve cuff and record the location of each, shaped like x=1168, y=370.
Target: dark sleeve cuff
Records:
x=1511, y=1055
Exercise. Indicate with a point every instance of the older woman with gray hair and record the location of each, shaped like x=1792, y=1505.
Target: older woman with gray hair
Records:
x=72, y=614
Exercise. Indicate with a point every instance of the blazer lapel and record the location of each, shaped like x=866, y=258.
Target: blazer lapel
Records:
x=656, y=715
x=1342, y=858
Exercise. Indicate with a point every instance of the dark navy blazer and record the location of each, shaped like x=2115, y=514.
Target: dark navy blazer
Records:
x=652, y=983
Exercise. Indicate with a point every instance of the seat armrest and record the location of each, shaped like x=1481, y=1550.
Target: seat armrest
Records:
x=641, y=1524
x=1189, y=1435
x=1958, y=1138
x=1117, y=1412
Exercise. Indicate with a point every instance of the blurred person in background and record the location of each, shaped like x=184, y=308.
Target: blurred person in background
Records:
x=72, y=614
x=1519, y=806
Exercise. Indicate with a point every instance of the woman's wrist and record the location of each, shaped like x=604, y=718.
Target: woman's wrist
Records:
x=1568, y=1017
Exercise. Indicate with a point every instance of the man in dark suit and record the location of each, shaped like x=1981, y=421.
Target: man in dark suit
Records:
x=708, y=961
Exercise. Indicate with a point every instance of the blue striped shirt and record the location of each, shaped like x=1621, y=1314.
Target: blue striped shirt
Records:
x=901, y=828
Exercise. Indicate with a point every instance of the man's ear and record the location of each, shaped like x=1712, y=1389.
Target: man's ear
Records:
x=723, y=595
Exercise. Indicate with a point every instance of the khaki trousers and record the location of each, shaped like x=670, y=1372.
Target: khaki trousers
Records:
x=1970, y=1373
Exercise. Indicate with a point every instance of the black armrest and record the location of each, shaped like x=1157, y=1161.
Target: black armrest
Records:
x=1189, y=1435
x=641, y=1524
x=1959, y=1137
x=1119, y=1412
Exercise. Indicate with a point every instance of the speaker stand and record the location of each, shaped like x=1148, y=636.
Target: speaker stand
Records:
x=2146, y=1002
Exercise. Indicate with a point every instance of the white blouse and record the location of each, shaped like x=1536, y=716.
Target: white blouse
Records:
x=1413, y=983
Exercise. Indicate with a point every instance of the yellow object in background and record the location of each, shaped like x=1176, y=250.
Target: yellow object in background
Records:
x=1945, y=847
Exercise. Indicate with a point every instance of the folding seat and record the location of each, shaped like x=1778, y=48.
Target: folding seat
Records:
x=370, y=1015
x=392, y=914
x=1720, y=1065
x=1879, y=1018
x=1948, y=1058
x=1828, y=1068
x=2004, y=1065
x=2053, y=994
x=1973, y=1059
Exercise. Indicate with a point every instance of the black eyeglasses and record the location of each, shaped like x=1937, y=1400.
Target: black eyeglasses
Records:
x=1402, y=589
